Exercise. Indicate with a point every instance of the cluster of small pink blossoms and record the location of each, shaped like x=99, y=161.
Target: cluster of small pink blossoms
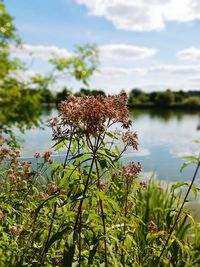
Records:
x=132, y=170
x=130, y=138
x=91, y=114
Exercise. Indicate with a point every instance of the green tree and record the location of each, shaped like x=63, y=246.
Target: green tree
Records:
x=81, y=65
x=20, y=101
x=18, y=105
x=61, y=96
x=164, y=99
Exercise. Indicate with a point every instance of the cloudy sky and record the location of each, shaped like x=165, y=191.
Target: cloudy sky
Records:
x=150, y=44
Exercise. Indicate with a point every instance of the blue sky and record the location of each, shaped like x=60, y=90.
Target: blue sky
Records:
x=150, y=44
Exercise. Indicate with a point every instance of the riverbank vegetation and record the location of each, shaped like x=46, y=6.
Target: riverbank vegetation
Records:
x=90, y=210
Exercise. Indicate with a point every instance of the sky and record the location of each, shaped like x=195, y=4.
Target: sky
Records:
x=149, y=44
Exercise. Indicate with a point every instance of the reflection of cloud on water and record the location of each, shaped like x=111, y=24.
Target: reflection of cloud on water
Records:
x=182, y=150
x=144, y=152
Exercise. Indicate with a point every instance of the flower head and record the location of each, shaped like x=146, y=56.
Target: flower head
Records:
x=132, y=170
x=16, y=230
x=52, y=187
x=152, y=227
x=47, y=157
x=130, y=138
x=93, y=114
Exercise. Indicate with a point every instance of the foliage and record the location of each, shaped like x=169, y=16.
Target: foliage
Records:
x=20, y=101
x=81, y=65
x=18, y=104
x=89, y=210
x=164, y=99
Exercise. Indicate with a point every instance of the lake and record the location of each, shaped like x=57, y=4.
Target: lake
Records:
x=164, y=138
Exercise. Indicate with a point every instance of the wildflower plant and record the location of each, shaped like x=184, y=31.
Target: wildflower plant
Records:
x=84, y=129
x=89, y=210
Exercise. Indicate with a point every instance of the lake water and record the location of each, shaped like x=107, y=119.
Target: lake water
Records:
x=164, y=138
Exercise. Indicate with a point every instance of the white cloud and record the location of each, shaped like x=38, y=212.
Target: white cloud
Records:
x=175, y=69
x=191, y=53
x=125, y=52
x=143, y=15
x=23, y=76
x=27, y=51
x=110, y=72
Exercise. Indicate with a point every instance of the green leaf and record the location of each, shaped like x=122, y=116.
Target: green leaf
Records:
x=177, y=185
x=69, y=251
x=185, y=165
x=56, y=237
x=81, y=156
x=195, y=191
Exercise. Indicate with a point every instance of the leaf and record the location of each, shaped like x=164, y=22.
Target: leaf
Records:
x=81, y=156
x=69, y=250
x=195, y=191
x=42, y=204
x=56, y=237
x=185, y=165
x=117, y=150
x=111, y=135
x=192, y=158
x=197, y=141
x=177, y=185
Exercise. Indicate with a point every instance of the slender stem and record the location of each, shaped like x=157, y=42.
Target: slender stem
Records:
x=49, y=233
x=84, y=194
x=102, y=216
x=180, y=210
x=80, y=221
x=125, y=214
x=67, y=155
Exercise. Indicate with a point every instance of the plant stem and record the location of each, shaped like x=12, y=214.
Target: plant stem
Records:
x=102, y=216
x=49, y=233
x=125, y=214
x=67, y=155
x=84, y=193
x=180, y=210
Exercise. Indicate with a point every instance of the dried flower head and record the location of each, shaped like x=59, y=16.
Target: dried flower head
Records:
x=37, y=155
x=152, y=227
x=130, y=138
x=47, y=157
x=26, y=164
x=52, y=187
x=103, y=187
x=93, y=114
x=2, y=215
x=22, y=184
x=2, y=140
x=132, y=170
x=143, y=184
x=4, y=153
x=42, y=195
x=10, y=172
x=16, y=230
x=53, y=121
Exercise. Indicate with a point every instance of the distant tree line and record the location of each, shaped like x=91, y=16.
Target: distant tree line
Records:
x=137, y=98
x=165, y=99
x=49, y=97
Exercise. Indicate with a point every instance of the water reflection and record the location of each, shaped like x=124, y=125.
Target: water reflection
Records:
x=164, y=137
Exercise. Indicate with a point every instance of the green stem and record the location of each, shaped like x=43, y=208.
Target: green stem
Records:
x=49, y=233
x=102, y=217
